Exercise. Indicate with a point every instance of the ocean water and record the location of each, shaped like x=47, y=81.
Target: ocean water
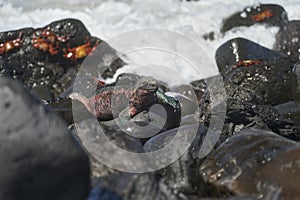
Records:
x=112, y=18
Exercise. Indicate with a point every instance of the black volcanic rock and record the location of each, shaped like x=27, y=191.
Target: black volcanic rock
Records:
x=288, y=40
x=101, y=193
x=133, y=186
x=253, y=73
x=239, y=49
x=241, y=116
x=290, y=110
x=182, y=175
x=89, y=129
x=255, y=163
x=148, y=187
x=236, y=113
x=270, y=14
x=40, y=158
x=43, y=59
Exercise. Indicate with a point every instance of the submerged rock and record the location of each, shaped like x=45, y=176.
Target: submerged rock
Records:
x=257, y=163
x=39, y=153
x=270, y=14
x=288, y=40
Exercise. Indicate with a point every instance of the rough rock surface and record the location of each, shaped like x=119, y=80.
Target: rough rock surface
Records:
x=134, y=186
x=270, y=14
x=43, y=160
x=288, y=40
x=88, y=131
x=153, y=189
x=240, y=116
x=182, y=175
x=253, y=73
x=45, y=59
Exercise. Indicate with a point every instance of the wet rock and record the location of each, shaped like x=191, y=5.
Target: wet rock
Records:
x=40, y=155
x=290, y=110
x=240, y=116
x=195, y=102
x=100, y=193
x=194, y=91
x=127, y=79
x=119, y=183
x=133, y=186
x=63, y=108
x=253, y=73
x=288, y=40
x=241, y=49
x=102, y=62
x=146, y=124
x=270, y=14
x=225, y=198
x=189, y=120
x=132, y=79
x=236, y=115
x=182, y=175
x=149, y=186
x=188, y=106
x=90, y=133
x=45, y=59
x=200, y=87
x=257, y=163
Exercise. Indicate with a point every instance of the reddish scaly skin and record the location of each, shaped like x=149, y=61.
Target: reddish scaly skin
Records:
x=262, y=15
x=10, y=45
x=139, y=99
x=110, y=101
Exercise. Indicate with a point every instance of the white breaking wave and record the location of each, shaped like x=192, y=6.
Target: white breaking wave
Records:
x=107, y=19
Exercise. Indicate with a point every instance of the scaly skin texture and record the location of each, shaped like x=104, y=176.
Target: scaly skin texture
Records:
x=108, y=101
